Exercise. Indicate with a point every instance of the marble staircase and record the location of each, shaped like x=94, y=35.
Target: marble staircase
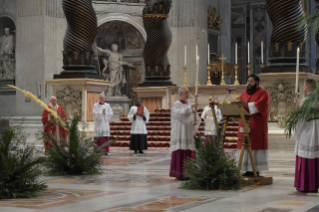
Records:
x=159, y=129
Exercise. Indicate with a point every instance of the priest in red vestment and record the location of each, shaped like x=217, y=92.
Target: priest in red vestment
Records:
x=50, y=126
x=255, y=101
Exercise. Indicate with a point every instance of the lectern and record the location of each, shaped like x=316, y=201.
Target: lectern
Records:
x=235, y=112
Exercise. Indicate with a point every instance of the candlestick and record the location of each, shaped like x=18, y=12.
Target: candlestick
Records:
x=262, y=52
x=208, y=75
x=236, y=51
x=185, y=55
x=248, y=67
x=223, y=76
x=185, y=76
x=208, y=59
x=297, y=71
x=236, y=75
x=248, y=53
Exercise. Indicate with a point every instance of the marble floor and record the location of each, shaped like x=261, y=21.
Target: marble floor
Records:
x=140, y=183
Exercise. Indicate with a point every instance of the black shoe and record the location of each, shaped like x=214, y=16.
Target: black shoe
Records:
x=315, y=191
x=141, y=152
x=135, y=152
x=182, y=178
x=248, y=174
x=105, y=153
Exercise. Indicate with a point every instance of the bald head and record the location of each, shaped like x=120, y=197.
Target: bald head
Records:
x=102, y=97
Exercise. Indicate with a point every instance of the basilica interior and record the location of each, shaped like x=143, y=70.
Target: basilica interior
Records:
x=148, y=49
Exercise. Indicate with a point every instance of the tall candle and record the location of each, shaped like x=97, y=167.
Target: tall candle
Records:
x=236, y=47
x=208, y=56
x=185, y=55
x=262, y=52
x=248, y=52
x=297, y=71
x=196, y=79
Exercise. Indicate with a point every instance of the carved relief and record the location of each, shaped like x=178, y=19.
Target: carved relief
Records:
x=117, y=109
x=281, y=103
x=70, y=100
x=213, y=20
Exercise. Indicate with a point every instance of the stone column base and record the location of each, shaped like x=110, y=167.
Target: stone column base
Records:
x=77, y=96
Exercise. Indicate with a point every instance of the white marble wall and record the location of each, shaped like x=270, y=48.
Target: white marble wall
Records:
x=188, y=23
x=40, y=32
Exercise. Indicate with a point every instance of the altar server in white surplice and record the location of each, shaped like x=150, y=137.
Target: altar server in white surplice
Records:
x=183, y=129
x=210, y=129
x=139, y=116
x=102, y=113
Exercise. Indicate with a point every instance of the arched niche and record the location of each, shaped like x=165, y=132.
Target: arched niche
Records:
x=130, y=43
x=7, y=49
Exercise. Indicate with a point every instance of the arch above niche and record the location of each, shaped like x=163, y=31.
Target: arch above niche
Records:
x=137, y=23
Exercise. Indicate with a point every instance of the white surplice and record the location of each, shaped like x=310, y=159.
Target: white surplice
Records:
x=101, y=120
x=182, y=127
x=210, y=128
x=138, y=125
x=307, y=141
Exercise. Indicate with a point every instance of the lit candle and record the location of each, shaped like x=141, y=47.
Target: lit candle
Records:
x=297, y=71
x=236, y=47
x=208, y=55
x=196, y=78
x=185, y=55
x=262, y=52
x=248, y=52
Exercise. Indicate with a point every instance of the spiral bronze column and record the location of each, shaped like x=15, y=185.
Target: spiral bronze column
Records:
x=159, y=38
x=285, y=39
x=317, y=39
x=78, y=55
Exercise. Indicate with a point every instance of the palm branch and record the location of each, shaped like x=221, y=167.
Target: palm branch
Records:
x=79, y=155
x=19, y=168
x=310, y=21
x=307, y=112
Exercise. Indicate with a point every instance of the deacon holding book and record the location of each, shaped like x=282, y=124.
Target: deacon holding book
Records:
x=139, y=116
x=210, y=129
x=102, y=113
x=51, y=127
x=306, y=148
x=183, y=129
x=255, y=100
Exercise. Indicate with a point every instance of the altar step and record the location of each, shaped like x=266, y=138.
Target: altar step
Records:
x=159, y=130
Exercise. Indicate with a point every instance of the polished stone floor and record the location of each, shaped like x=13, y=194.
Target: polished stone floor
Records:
x=140, y=183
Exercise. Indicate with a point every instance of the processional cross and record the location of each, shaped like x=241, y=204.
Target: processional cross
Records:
x=223, y=77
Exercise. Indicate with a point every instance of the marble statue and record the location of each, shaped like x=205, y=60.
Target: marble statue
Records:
x=7, y=59
x=113, y=70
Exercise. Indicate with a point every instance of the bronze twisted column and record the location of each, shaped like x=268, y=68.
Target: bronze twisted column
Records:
x=78, y=55
x=285, y=39
x=317, y=39
x=159, y=38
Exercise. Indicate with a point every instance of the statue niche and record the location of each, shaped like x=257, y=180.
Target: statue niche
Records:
x=7, y=48
x=113, y=70
x=119, y=46
x=281, y=103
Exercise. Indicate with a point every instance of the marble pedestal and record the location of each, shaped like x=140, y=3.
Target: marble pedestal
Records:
x=120, y=106
x=77, y=96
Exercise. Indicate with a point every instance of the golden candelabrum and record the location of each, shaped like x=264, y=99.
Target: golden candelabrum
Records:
x=223, y=76
x=262, y=65
x=248, y=67
x=236, y=75
x=185, y=76
x=208, y=75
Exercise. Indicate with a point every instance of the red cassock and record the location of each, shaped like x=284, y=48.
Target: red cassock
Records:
x=51, y=128
x=259, y=121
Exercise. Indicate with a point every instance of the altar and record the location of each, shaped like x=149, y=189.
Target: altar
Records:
x=164, y=97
